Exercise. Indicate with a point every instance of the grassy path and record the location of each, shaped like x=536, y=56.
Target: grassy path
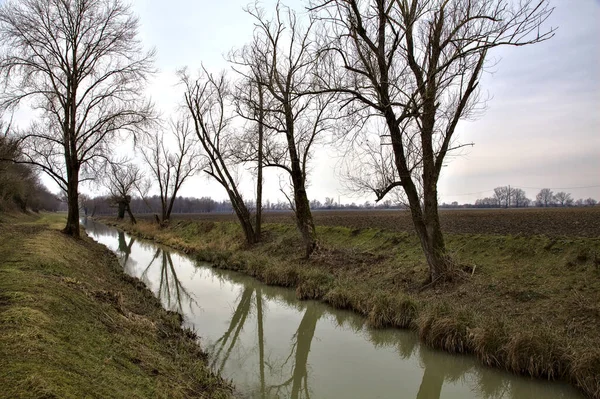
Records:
x=72, y=325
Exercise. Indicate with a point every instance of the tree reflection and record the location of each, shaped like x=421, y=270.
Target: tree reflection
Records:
x=171, y=291
x=124, y=247
x=261, y=340
x=301, y=343
x=296, y=386
x=236, y=324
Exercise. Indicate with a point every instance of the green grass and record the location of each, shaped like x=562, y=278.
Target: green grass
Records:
x=72, y=325
x=527, y=304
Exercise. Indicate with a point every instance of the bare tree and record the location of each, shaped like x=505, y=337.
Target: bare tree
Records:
x=590, y=202
x=545, y=197
x=502, y=195
x=519, y=198
x=80, y=64
x=563, y=198
x=171, y=168
x=249, y=99
x=282, y=60
x=122, y=180
x=415, y=65
x=207, y=98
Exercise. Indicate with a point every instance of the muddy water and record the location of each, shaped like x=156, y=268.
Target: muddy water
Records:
x=274, y=346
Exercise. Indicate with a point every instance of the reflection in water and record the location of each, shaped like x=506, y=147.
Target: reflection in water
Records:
x=300, y=348
x=296, y=386
x=124, y=247
x=171, y=291
x=273, y=346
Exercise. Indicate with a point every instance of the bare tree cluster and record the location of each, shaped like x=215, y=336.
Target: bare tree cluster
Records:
x=389, y=79
x=207, y=101
x=506, y=197
x=547, y=198
x=80, y=65
x=170, y=168
x=279, y=65
x=283, y=113
x=512, y=197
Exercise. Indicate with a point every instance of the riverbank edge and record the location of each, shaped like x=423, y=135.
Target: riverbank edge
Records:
x=74, y=324
x=534, y=352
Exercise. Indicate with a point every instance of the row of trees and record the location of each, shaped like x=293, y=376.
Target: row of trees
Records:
x=511, y=197
x=546, y=197
x=389, y=79
x=105, y=205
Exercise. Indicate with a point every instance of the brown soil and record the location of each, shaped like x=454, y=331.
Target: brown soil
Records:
x=553, y=222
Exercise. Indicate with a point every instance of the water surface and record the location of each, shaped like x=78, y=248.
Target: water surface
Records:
x=273, y=346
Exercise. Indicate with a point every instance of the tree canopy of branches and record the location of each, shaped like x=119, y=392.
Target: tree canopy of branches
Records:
x=413, y=67
x=507, y=197
x=171, y=168
x=122, y=179
x=80, y=65
x=207, y=100
x=563, y=198
x=282, y=60
x=545, y=197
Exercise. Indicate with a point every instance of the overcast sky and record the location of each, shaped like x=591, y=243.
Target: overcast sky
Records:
x=541, y=128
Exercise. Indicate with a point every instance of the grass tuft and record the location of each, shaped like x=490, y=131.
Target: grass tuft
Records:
x=489, y=343
x=537, y=354
x=585, y=372
x=446, y=328
x=313, y=284
x=392, y=311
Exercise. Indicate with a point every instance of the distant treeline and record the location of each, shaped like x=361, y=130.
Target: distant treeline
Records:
x=513, y=197
x=105, y=205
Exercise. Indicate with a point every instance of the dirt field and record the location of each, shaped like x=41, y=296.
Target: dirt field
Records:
x=574, y=222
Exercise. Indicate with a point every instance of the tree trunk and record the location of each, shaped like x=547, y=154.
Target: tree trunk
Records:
x=131, y=217
x=121, y=210
x=259, y=177
x=72, y=227
x=304, y=219
x=425, y=217
x=243, y=216
x=432, y=242
x=427, y=224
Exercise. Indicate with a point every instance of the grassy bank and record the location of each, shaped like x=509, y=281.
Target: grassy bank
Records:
x=527, y=304
x=73, y=325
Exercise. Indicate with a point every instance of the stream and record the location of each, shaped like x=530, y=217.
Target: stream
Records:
x=271, y=345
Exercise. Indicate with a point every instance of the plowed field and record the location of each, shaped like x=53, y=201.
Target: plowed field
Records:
x=574, y=222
